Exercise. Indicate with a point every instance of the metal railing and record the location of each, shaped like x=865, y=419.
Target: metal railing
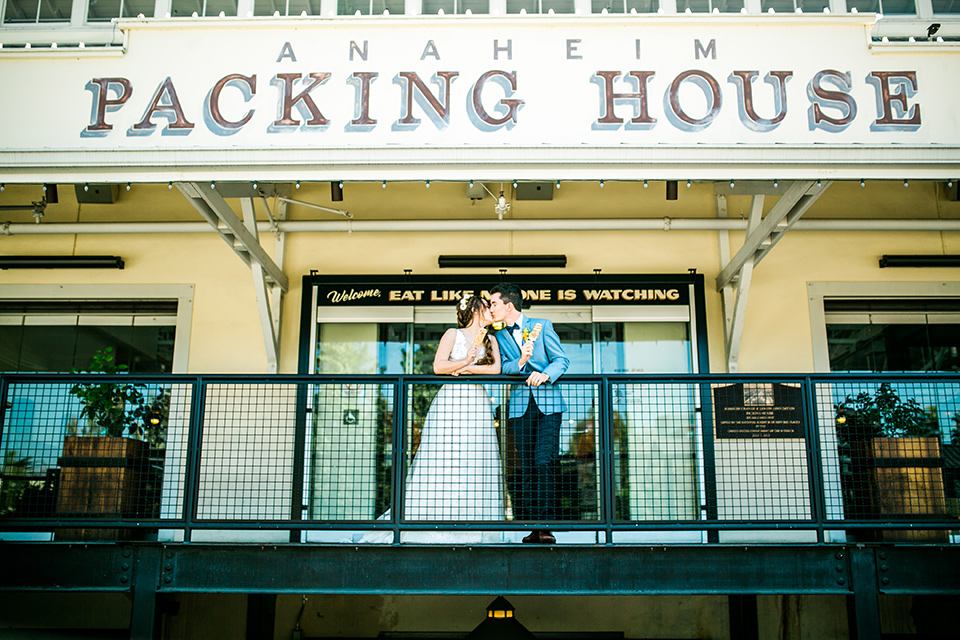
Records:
x=380, y=459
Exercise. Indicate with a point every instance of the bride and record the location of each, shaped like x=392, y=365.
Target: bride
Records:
x=456, y=474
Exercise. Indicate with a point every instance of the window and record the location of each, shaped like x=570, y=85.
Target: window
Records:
x=540, y=6
x=35, y=11
x=107, y=10
x=42, y=336
x=286, y=7
x=625, y=6
x=791, y=6
x=893, y=335
x=432, y=7
x=369, y=7
x=709, y=6
x=203, y=8
x=946, y=6
x=886, y=7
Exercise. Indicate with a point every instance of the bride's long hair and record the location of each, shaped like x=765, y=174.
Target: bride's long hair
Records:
x=465, y=310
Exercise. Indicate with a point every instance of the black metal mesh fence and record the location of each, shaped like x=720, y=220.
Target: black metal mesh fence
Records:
x=317, y=453
x=93, y=450
x=890, y=453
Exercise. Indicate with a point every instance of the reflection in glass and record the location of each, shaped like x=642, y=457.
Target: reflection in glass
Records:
x=893, y=347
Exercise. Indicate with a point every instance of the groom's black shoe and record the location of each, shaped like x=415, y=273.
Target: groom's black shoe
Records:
x=547, y=538
x=533, y=538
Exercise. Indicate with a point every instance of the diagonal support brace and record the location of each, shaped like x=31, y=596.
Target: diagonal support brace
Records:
x=798, y=198
x=218, y=213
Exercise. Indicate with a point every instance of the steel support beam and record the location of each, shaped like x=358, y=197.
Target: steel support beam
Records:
x=266, y=293
x=218, y=213
x=146, y=579
x=863, y=605
x=561, y=569
x=738, y=313
x=798, y=197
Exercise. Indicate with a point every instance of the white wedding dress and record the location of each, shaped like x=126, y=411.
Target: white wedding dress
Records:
x=456, y=473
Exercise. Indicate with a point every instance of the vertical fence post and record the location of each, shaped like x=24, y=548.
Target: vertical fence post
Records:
x=399, y=466
x=299, y=456
x=3, y=405
x=709, y=458
x=191, y=482
x=605, y=457
x=811, y=426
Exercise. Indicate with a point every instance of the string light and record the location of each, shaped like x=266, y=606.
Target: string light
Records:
x=776, y=184
x=213, y=185
x=170, y=185
x=818, y=183
x=514, y=184
x=471, y=184
x=298, y=184
x=688, y=184
x=949, y=185
x=731, y=184
x=86, y=186
x=645, y=185
x=2, y=187
x=428, y=184
x=558, y=184
x=254, y=184
x=601, y=183
x=862, y=183
x=128, y=186
x=906, y=184
x=383, y=185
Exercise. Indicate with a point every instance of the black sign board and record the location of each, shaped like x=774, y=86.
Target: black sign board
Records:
x=762, y=410
x=337, y=291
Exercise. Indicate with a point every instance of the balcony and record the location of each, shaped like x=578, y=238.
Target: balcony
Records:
x=665, y=484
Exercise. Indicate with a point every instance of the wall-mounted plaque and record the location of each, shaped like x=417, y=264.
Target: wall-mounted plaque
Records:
x=763, y=410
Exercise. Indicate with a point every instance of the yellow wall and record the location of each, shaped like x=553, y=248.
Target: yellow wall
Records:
x=226, y=335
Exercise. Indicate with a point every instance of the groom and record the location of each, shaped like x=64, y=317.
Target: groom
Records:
x=535, y=409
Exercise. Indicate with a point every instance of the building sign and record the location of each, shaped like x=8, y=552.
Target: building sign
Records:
x=515, y=82
x=557, y=290
x=748, y=411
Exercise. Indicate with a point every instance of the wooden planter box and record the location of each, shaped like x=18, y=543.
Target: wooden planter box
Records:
x=100, y=477
x=904, y=481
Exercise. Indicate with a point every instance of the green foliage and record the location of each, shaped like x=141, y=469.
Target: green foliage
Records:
x=14, y=481
x=112, y=408
x=886, y=414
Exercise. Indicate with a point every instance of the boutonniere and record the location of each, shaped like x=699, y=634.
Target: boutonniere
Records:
x=498, y=325
x=526, y=334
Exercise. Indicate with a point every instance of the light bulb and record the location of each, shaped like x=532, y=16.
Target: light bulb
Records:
x=688, y=184
x=383, y=185
x=862, y=183
x=514, y=184
x=731, y=184
x=818, y=183
x=601, y=184
x=86, y=186
x=128, y=186
x=645, y=184
x=471, y=184
x=298, y=184
x=776, y=184
x=906, y=184
x=254, y=184
x=213, y=185
x=558, y=184
x=170, y=185
x=428, y=184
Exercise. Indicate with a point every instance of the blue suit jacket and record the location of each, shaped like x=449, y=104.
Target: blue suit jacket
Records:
x=548, y=357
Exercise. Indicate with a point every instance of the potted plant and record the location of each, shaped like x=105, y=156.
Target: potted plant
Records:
x=103, y=470
x=891, y=467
